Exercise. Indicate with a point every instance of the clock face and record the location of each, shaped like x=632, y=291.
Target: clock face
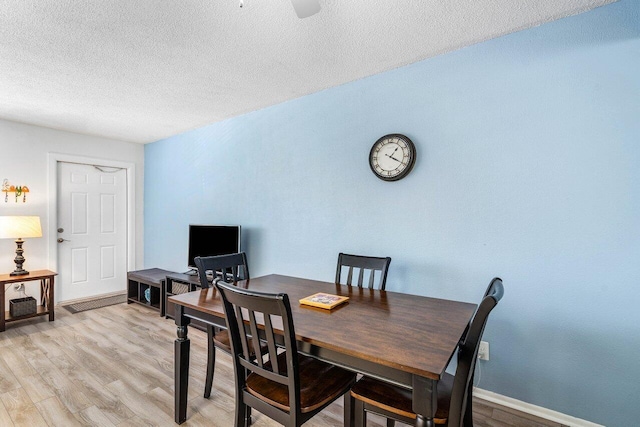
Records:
x=392, y=157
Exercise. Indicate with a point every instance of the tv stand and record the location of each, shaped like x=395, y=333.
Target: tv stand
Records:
x=177, y=283
x=141, y=280
x=161, y=285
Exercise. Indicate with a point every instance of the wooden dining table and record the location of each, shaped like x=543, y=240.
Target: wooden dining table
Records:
x=405, y=339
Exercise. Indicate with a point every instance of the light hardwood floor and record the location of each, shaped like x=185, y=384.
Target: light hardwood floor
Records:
x=113, y=366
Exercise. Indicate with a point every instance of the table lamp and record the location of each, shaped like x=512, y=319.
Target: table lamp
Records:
x=19, y=227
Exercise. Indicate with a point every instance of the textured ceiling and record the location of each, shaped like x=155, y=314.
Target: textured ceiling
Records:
x=144, y=70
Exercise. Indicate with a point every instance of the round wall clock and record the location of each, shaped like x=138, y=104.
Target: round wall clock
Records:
x=392, y=157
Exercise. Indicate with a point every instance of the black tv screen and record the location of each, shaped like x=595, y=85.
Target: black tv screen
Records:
x=210, y=240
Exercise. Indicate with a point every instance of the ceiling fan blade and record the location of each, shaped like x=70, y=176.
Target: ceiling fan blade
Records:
x=305, y=8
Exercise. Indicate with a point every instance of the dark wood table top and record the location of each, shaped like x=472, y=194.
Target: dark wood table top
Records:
x=410, y=333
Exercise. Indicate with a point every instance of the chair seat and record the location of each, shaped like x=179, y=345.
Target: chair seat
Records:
x=222, y=341
x=320, y=383
x=398, y=400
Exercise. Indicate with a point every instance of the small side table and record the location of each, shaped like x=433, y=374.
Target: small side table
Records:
x=46, y=295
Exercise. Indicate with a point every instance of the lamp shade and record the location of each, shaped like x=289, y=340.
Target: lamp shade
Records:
x=20, y=227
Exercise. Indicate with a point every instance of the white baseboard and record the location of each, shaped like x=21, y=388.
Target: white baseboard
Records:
x=528, y=408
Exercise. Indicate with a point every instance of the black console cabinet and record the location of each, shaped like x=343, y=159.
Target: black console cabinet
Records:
x=178, y=283
x=141, y=280
x=161, y=284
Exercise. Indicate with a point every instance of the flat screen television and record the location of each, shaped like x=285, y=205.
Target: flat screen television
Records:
x=210, y=240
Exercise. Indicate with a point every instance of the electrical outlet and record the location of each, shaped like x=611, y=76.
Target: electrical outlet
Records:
x=18, y=287
x=483, y=351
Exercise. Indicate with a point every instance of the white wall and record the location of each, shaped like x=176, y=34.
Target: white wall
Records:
x=24, y=160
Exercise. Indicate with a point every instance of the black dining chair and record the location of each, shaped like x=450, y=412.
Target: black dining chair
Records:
x=284, y=385
x=373, y=266
x=230, y=268
x=454, y=391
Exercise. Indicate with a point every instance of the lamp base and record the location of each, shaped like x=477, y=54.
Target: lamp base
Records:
x=19, y=260
x=17, y=272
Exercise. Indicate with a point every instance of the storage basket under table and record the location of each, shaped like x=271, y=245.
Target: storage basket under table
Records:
x=22, y=306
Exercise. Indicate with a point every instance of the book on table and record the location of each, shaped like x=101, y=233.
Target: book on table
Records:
x=323, y=300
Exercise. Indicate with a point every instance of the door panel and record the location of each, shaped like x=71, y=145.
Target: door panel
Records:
x=78, y=213
x=107, y=262
x=92, y=215
x=79, y=267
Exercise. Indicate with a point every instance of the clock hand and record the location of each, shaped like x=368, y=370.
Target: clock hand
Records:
x=391, y=156
x=394, y=152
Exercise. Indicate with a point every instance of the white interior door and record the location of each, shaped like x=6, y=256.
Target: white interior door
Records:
x=92, y=231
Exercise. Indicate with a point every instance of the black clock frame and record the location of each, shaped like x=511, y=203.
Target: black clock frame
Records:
x=412, y=159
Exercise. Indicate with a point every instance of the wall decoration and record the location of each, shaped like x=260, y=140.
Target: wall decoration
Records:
x=20, y=190
x=392, y=157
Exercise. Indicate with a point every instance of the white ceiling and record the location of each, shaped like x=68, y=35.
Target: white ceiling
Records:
x=143, y=70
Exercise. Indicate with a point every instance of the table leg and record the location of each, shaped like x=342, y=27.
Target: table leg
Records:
x=425, y=400
x=163, y=297
x=52, y=302
x=181, y=365
x=2, y=309
x=349, y=403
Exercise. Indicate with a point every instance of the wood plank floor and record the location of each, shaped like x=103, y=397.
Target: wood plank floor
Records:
x=113, y=366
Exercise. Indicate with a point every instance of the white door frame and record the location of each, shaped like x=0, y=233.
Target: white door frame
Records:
x=52, y=166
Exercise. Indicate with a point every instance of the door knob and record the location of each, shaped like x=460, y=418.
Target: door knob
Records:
x=60, y=240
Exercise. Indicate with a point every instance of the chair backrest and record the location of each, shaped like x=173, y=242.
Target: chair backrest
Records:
x=363, y=264
x=468, y=354
x=261, y=312
x=228, y=268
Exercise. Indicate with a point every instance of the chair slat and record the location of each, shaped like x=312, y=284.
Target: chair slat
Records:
x=360, y=277
x=371, y=265
x=243, y=337
x=234, y=273
x=273, y=352
x=253, y=327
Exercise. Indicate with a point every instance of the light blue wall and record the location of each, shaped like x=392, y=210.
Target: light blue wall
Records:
x=528, y=168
